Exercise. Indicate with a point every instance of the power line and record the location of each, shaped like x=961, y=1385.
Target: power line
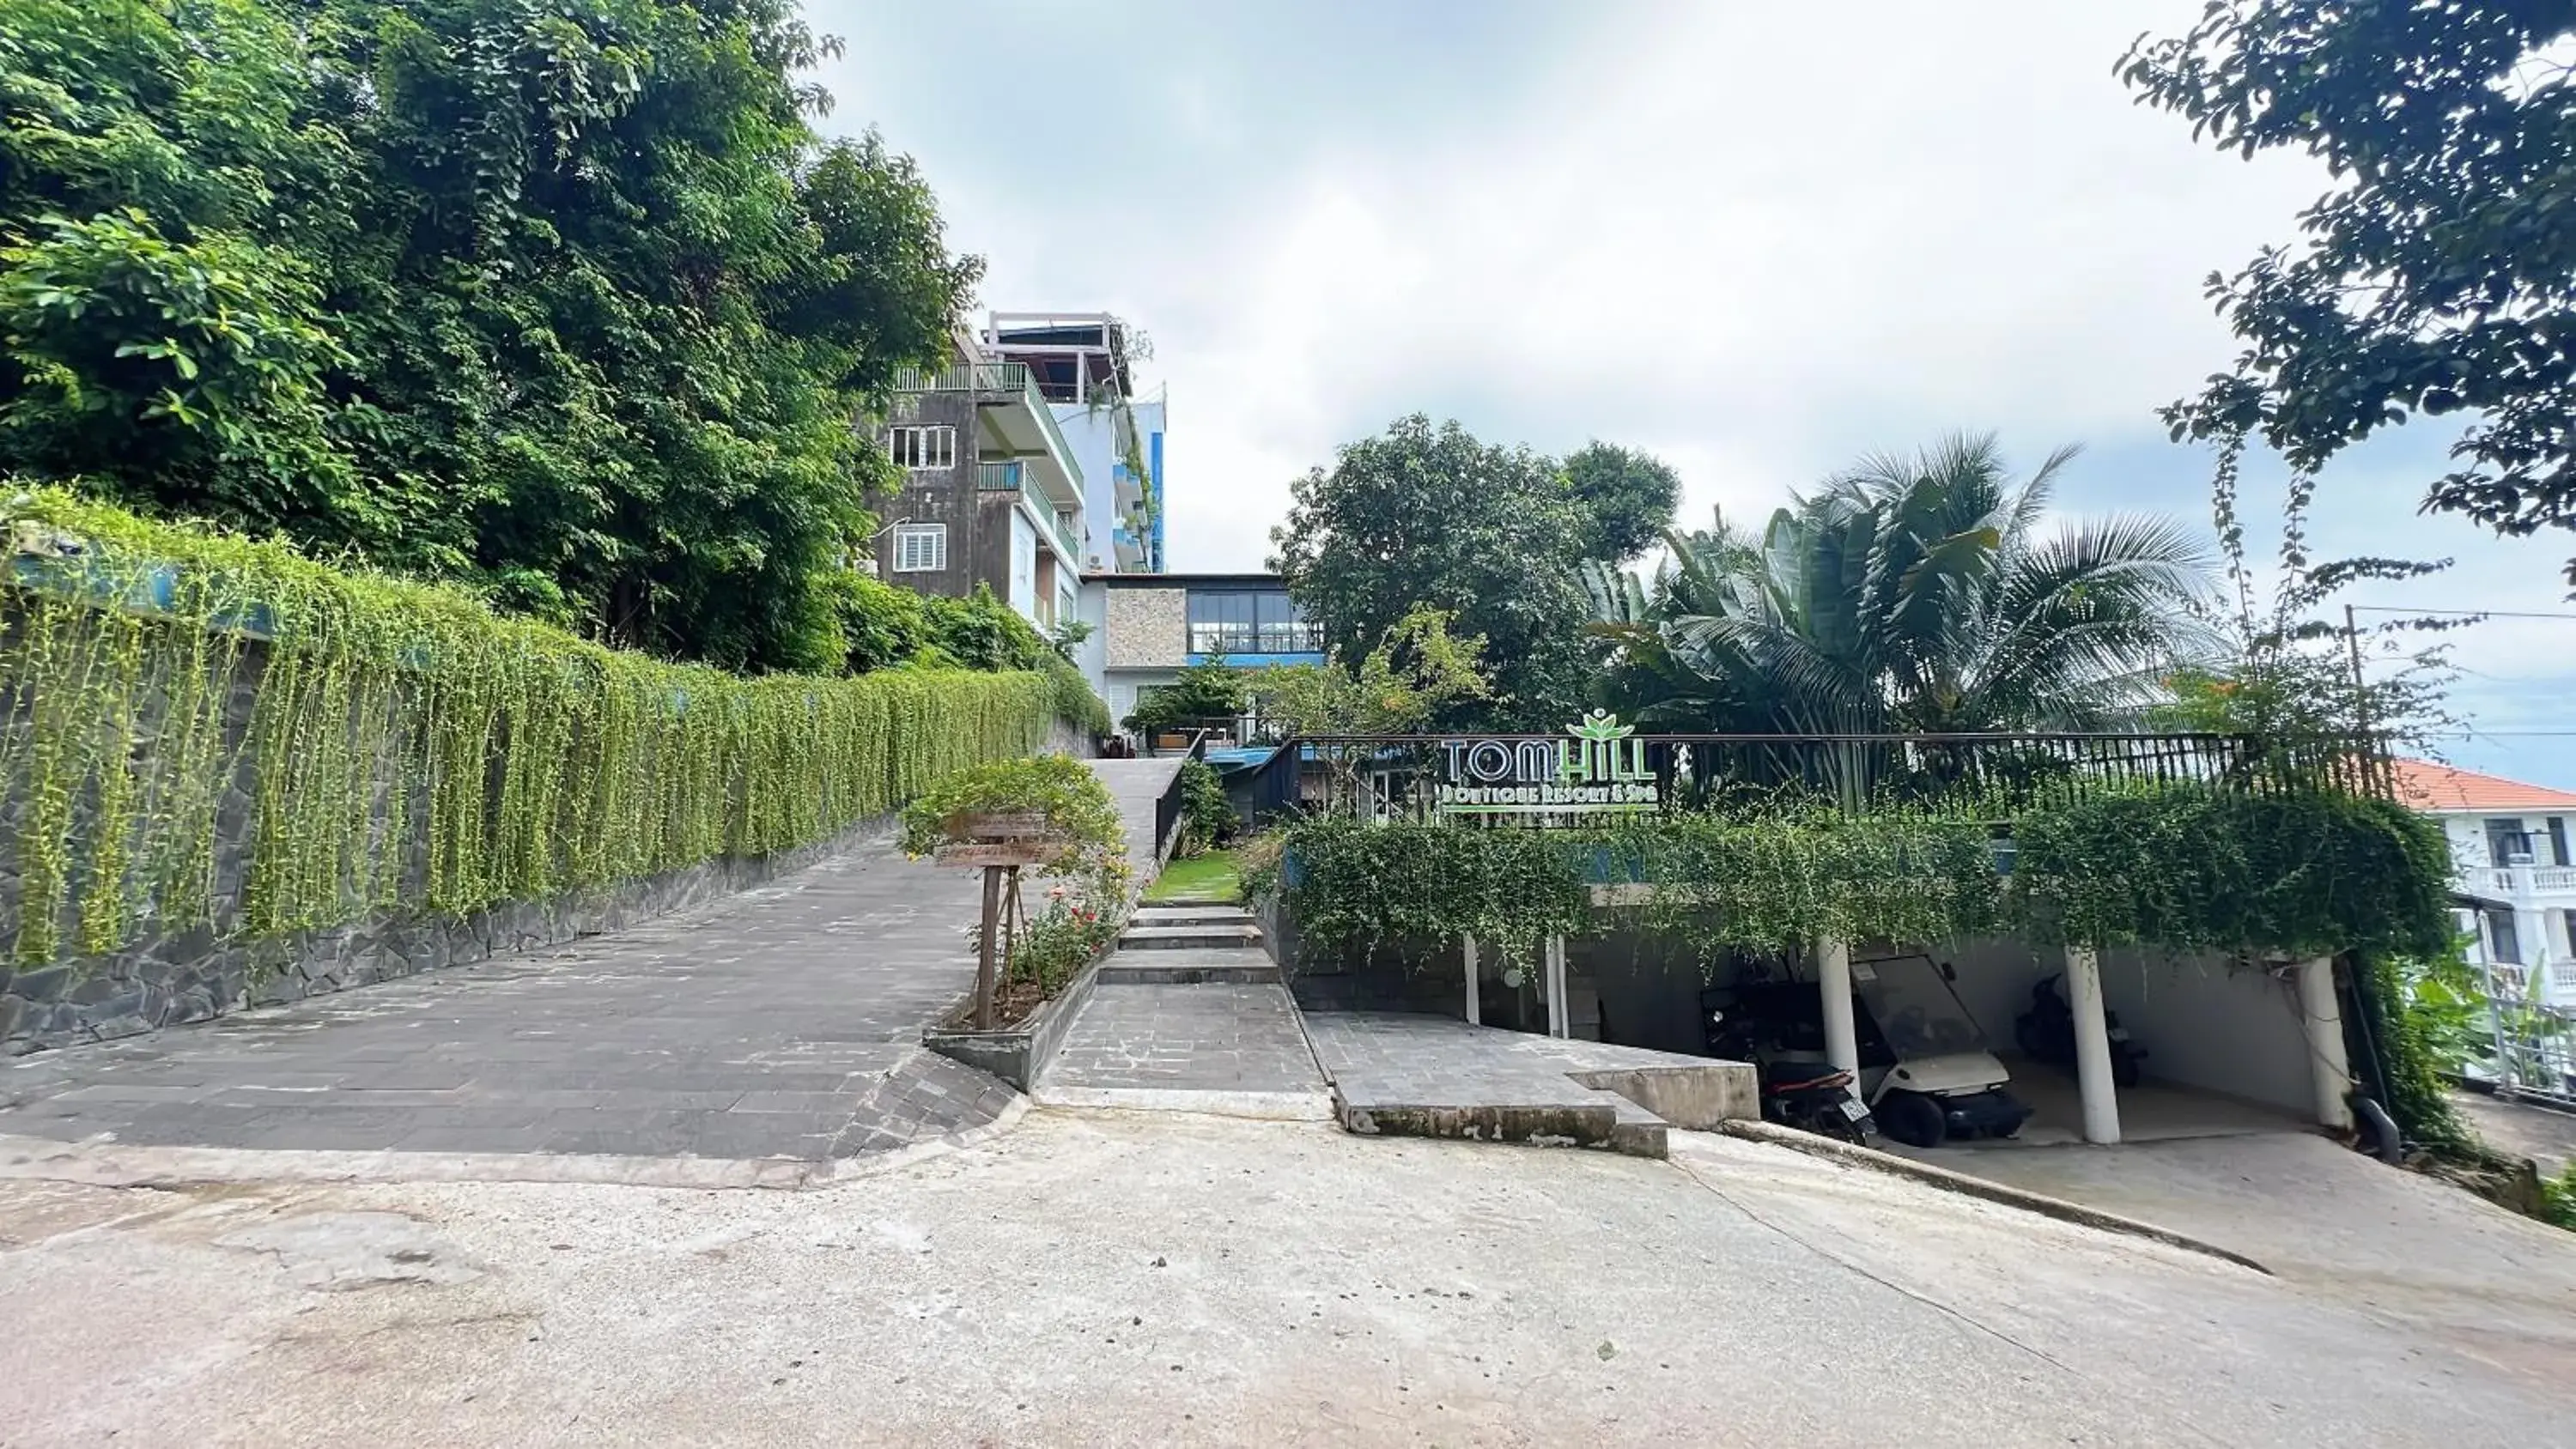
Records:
x=2463, y=613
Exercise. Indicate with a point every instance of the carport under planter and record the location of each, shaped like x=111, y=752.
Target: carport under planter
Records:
x=1605, y=884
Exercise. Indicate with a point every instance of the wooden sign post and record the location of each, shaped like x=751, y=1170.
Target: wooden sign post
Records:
x=1001, y=842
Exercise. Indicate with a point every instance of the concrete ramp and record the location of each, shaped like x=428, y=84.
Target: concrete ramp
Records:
x=1404, y=1075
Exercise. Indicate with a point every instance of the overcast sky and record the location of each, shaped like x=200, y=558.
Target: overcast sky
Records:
x=1758, y=239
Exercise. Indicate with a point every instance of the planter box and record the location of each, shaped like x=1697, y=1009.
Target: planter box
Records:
x=1016, y=1054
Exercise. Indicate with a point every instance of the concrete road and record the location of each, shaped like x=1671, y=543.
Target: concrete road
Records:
x=2545, y=1135
x=2394, y=1245
x=1162, y=1279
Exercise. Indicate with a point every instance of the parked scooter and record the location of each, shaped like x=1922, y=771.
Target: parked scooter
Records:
x=1805, y=1095
x=2046, y=1033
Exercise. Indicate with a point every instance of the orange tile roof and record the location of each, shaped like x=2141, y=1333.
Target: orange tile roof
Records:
x=2424, y=785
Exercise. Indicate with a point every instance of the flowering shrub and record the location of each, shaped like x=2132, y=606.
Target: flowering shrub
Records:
x=1061, y=938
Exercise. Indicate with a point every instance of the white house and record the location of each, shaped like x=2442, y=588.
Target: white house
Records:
x=2512, y=868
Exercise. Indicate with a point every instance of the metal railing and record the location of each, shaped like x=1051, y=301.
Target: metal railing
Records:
x=994, y=377
x=1013, y=478
x=1984, y=775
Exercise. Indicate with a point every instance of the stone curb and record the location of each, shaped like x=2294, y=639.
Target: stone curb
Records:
x=118, y=1164
x=1847, y=1153
x=1257, y=1106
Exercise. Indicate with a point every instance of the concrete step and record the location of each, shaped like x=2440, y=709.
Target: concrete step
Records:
x=1188, y=968
x=1188, y=938
x=1191, y=915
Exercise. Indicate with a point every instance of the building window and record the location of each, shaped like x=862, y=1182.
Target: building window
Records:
x=2506, y=840
x=920, y=548
x=920, y=448
x=1249, y=622
x=2507, y=943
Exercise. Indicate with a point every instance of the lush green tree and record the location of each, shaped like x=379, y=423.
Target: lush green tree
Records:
x=1920, y=594
x=1208, y=693
x=1626, y=498
x=562, y=298
x=2438, y=276
x=1416, y=673
x=1427, y=516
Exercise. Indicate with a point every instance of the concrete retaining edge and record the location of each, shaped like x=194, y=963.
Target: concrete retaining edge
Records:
x=1850, y=1155
x=128, y=1165
x=1255, y=1106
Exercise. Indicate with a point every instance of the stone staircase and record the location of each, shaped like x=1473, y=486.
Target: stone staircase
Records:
x=1189, y=1014
x=1194, y=928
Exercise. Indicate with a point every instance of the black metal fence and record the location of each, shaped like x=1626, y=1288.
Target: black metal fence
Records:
x=1989, y=775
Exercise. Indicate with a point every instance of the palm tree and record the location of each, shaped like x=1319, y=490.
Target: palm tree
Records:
x=1921, y=594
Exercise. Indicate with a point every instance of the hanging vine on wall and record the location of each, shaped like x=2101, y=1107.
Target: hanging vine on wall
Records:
x=2180, y=867
x=174, y=699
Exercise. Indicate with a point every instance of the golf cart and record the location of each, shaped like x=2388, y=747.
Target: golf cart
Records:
x=1925, y=1069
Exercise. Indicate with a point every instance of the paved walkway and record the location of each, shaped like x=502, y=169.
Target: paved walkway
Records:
x=1136, y=785
x=784, y=1022
x=1188, y=1015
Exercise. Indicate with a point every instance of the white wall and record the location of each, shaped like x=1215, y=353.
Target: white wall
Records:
x=2202, y=1023
x=1091, y=432
x=2468, y=841
x=1024, y=566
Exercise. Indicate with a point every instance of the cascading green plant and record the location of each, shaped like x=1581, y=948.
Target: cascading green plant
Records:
x=402, y=747
x=2179, y=867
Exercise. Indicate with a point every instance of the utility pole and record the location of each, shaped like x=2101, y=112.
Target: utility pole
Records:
x=2352, y=645
x=2375, y=759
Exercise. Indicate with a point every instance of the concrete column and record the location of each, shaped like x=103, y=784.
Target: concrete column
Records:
x=2092, y=1046
x=1475, y=988
x=2323, y=1015
x=1833, y=981
x=1557, y=1025
x=2531, y=933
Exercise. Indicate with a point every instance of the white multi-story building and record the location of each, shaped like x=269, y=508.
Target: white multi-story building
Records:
x=1081, y=363
x=2513, y=871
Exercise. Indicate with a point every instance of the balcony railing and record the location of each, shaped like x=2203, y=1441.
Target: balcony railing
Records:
x=2515, y=880
x=1013, y=478
x=1008, y=378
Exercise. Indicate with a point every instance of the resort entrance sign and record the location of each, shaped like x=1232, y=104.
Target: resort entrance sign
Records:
x=1597, y=769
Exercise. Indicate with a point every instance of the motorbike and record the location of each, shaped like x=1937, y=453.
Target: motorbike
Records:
x=1805, y=1095
x=2046, y=1033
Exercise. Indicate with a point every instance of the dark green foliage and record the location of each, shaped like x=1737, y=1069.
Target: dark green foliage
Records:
x=1358, y=887
x=981, y=632
x=1493, y=537
x=1207, y=816
x=881, y=625
x=1769, y=882
x=520, y=762
x=2438, y=277
x=1207, y=693
x=887, y=627
x=2403, y=1047
x=1626, y=498
x=2183, y=869
x=2299, y=874
x=2558, y=1198
x=566, y=301
x=1077, y=807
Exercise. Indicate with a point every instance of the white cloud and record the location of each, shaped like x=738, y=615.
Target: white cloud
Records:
x=1758, y=239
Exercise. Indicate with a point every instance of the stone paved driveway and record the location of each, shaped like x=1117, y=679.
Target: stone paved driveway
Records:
x=782, y=1022
x=1208, y=1037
